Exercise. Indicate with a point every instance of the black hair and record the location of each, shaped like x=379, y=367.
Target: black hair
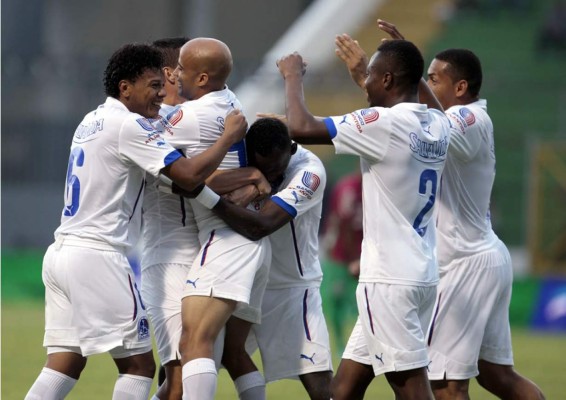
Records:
x=265, y=136
x=170, y=48
x=129, y=62
x=463, y=64
x=404, y=60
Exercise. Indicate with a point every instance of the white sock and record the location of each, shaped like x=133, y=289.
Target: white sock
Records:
x=199, y=379
x=132, y=387
x=250, y=386
x=50, y=385
x=154, y=397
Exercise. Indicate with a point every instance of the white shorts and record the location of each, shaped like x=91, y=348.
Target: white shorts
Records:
x=162, y=290
x=472, y=316
x=229, y=266
x=92, y=300
x=292, y=337
x=391, y=327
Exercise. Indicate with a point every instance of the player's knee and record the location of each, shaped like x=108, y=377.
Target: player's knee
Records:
x=450, y=390
x=140, y=364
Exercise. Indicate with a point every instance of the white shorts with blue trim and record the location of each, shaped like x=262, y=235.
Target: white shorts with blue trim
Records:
x=292, y=337
x=229, y=266
x=91, y=299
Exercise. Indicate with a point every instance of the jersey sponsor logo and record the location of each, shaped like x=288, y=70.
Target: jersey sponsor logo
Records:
x=468, y=116
x=428, y=150
x=369, y=115
x=311, y=180
x=145, y=124
x=85, y=131
x=174, y=116
x=344, y=120
x=143, y=328
x=156, y=139
x=296, y=196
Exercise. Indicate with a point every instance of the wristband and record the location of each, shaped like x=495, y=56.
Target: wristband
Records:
x=208, y=198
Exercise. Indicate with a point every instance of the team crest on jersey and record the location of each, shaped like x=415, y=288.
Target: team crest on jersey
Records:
x=369, y=115
x=310, y=180
x=143, y=328
x=145, y=124
x=174, y=116
x=468, y=116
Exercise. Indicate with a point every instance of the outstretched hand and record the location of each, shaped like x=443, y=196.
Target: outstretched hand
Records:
x=355, y=58
x=390, y=29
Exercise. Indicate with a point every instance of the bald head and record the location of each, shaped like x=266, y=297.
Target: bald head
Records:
x=208, y=56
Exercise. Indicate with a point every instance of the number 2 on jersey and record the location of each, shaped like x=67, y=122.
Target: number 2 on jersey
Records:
x=428, y=175
x=73, y=185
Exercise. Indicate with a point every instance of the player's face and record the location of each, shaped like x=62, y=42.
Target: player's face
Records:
x=187, y=78
x=146, y=94
x=374, y=82
x=273, y=166
x=441, y=83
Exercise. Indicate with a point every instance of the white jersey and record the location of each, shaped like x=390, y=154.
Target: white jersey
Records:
x=111, y=150
x=402, y=151
x=294, y=246
x=464, y=225
x=196, y=125
x=170, y=234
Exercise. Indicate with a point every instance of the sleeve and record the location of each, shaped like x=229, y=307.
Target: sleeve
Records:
x=182, y=130
x=304, y=191
x=365, y=133
x=143, y=144
x=466, y=139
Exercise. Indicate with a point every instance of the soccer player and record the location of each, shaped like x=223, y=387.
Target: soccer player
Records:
x=402, y=147
x=224, y=272
x=342, y=240
x=292, y=337
x=475, y=266
x=170, y=244
x=170, y=236
x=92, y=303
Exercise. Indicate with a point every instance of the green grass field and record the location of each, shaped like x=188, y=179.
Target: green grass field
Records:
x=538, y=356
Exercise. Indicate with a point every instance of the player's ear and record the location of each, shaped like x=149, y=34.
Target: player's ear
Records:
x=125, y=88
x=461, y=87
x=294, y=148
x=169, y=77
x=202, y=79
x=387, y=80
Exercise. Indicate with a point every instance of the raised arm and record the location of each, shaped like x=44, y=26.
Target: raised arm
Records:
x=355, y=58
x=303, y=126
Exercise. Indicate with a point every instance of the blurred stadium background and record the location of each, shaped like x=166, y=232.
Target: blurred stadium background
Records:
x=54, y=53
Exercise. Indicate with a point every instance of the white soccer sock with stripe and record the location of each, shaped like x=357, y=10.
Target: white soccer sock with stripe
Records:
x=132, y=387
x=250, y=386
x=50, y=385
x=199, y=379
